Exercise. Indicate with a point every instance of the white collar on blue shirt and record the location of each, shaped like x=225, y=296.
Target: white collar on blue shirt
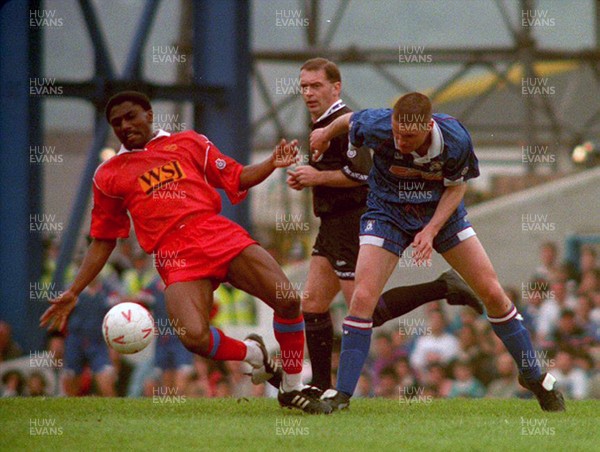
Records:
x=337, y=105
x=435, y=148
x=159, y=133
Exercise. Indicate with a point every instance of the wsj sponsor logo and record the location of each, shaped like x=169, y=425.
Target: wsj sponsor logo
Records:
x=161, y=175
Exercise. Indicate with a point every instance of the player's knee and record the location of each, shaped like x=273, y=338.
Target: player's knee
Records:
x=492, y=295
x=316, y=305
x=363, y=297
x=197, y=340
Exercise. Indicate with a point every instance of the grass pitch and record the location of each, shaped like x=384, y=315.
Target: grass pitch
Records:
x=259, y=424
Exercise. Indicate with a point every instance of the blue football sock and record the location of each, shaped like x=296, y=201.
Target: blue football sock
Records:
x=356, y=341
x=509, y=328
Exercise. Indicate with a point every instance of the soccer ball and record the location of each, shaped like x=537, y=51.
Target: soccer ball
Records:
x=128, y=328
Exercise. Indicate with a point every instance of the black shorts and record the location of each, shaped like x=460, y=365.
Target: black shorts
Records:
x=338, y=241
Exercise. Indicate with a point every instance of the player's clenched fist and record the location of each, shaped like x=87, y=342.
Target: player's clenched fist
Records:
x=285, y=154
x=57, y=314
x=319, y=143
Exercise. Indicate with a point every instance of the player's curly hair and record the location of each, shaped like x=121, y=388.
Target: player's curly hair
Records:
x=134, y=97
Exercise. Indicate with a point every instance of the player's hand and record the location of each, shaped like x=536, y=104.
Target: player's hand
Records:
x=285, y=154
x=55, y=317
x=307, y=176
x=293, y=182
x=423, y=247
x=319, y=143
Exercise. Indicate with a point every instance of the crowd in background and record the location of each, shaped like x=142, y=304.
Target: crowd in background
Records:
x=435, y=353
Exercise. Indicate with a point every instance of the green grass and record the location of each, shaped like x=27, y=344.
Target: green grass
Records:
x=259, y=424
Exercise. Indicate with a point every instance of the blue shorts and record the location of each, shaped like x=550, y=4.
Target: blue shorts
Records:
x=393, y=227
x=171, y=354
x=81, y=350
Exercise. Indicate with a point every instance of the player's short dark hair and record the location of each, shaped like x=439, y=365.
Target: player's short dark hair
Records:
x=134, y=97
x=413, y=108
x=332, y=72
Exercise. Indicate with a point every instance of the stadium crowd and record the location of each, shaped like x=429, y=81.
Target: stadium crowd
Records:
x=436, y=353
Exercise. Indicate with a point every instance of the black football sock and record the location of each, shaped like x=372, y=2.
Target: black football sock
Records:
x=401, y=300
x=319, y=340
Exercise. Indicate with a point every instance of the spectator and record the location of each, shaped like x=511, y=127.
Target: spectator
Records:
x=388, y=384
x=9, y=349
x=13, y=384
x=568, y=334
x=436, y=380
x=438, y=346
x=84, y=343
x=406, y=377
x=548, y=260
x=36, y=385
x=383, y=353
x=505, y=386
x=464, y=383
x=364, y=388
x=173, y=362
x=572, y=381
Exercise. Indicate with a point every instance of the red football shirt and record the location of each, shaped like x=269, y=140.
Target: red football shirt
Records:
x=173, y=177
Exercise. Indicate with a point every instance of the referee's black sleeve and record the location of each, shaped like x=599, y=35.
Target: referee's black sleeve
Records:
x=358, y=162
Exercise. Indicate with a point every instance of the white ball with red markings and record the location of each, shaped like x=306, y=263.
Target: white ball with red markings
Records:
x=128, y=328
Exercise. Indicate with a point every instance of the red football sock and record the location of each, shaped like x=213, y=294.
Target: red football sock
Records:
x=290, y=335
x=225, y=348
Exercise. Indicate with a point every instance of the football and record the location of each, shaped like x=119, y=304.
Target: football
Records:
x=128, y=328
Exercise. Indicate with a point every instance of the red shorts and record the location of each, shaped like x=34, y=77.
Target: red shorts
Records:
x=200, y=248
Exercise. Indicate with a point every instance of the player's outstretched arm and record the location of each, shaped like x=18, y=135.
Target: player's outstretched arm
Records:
x=97, y=254
x=283, y=156
x=320, y=138
x=449, y=201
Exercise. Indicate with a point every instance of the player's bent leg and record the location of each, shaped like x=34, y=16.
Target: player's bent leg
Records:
x=189, y=304
x=256, y=272
x=322, y=285
x=401, y=300
x=358, y=325
x=472, y=263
